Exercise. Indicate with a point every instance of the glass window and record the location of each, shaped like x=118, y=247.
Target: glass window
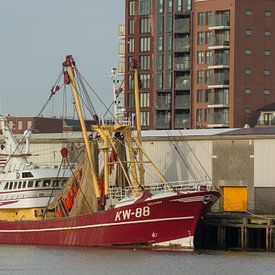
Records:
x=6, y=186
x=144, y=62
x=199, y=115
x=248, y=12
x=208, y=76
x=30, y=183
x=159, y=43
x=145, y=25
x=132, y=8
x=130, y=100
x=248, y=32
x=144, y=99
x=199, y=76
x=200, y=18
x=131, y=45
x=168, y=63
x=20, y=184
x=145, y=80
x=188, y=5
x=267, y=13
x=200, y=57
x=266, y=72
x=248, y=71
x=144, y=118
x=38, y=183
x=266, y=92
x=159, y=81
x=168, y=42
x=169, y=24
x=267, y=52
x=208, y=17
x=199, y=96
x=169, y=6
x=168, y=80
x=145, y=44
x=178, y=5
x=131, y=26
x=208, y=37
x=20, y=125
x=144, y=7
x=208, y=57
x=130, y=82
x=248, y=51
x=159, y=62
x=207, y=95
x=15, y=185
x=247, y=91
x=267, y=33
x=46, y=183
x=160, y=24
x=160, y=6
x=10, y=186
x=247, y=110
x=200, y=38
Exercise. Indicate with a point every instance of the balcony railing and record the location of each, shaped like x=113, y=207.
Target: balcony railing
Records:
x=219, y=41
x=219, y=20
x=182, y=121
x=219, y=118
x=182, y=45
x=220, y=60
x=181, y=64
x=182, y=25
x=163, y=103
x=182, y=102
x=121, y=31
x=163, y=122
x=182, y=83
x=121, y=49
x=218, y=99
x=219, y=79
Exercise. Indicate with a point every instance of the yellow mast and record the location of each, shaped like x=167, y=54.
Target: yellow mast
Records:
x=69, y=63
x=138, y=124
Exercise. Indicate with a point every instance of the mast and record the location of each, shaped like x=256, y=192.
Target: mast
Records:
x=138, y=124
x=70, y=64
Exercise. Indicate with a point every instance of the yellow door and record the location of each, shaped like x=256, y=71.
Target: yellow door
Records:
x=235, y=198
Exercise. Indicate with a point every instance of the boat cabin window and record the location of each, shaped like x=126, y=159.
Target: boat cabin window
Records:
x=10, y=186
x=6, y=186
x=30, y=183
x=27, y=175
x=56, y=183
x=46, y=183
x=19, y=184
x=15, y=185
x=38, y=183
x=24, y=184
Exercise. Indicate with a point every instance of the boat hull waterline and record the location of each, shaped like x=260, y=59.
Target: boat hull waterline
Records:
x=169, y=221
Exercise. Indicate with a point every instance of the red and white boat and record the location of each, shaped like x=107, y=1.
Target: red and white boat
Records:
x=122, y=212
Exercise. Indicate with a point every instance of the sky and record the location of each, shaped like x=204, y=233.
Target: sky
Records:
x=36, y=35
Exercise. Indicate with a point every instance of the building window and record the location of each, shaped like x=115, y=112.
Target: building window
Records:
x=199, y=115
x=207, y=95
x=248, y=71
x=20, y=125
x=145, y=44
x=130, y=82
x=248, y=51
x=247, y=91
x=208, y=76
x=160, y=24
x=200, y=38
x=131, y=26
x=160, y=6
x=178, y=5
x=145, y=25
x=208, y=37
x=266, y=72
x=200, y=57
x=144, y=99
x=145, y=81
x=169, y=6
x=247, y=110
x=159, y=81
x=248, y=32
x=168, y=80
x=29, y=124
x=267, y=52
x=168, y=63
x=169, y=23
x=267, y=33
x=160, y=43
x=144, y=62
x=168, y=42
x=266, y=92
x=131, y=45
x=159, y=62
x=208, y=57
x=132, y=8
x=199, y=96
x=199, y=77
x=144, y=118
x=267, y=13
x=200, y=18
x=144, y=7
x=248, y=12
x=208, y=17
x=130, y=98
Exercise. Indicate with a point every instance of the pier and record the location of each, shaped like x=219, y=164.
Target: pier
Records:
x=236, y=231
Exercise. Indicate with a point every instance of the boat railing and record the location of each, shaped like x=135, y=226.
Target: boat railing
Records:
x=117, y=193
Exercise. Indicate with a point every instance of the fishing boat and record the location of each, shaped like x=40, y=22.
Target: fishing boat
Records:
x=106, y=202
x=26, y=188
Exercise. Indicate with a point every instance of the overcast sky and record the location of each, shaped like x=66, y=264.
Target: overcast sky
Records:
x=36, y=35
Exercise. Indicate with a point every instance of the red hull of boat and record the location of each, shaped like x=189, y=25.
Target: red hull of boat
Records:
x=147, y=222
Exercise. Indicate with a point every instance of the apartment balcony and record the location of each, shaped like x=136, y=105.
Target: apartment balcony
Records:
x=219, y=80
x=182, y=25
x=181, y=64
x=182, y=102
x=121, y=31
x=163, y=122
x=121, y=68
x=219, y=41
x=219, y=21
x=182, y=44
x=182, y=83
x=163, y=103
x=182, y=121
x=218, y=119
x=121, y=49
x=218, y=100
x=219, y=61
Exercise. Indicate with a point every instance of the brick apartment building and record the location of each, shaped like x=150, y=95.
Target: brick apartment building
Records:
x=203, y=64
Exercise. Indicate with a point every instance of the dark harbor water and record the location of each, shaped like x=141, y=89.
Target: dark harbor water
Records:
x=59, y=260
